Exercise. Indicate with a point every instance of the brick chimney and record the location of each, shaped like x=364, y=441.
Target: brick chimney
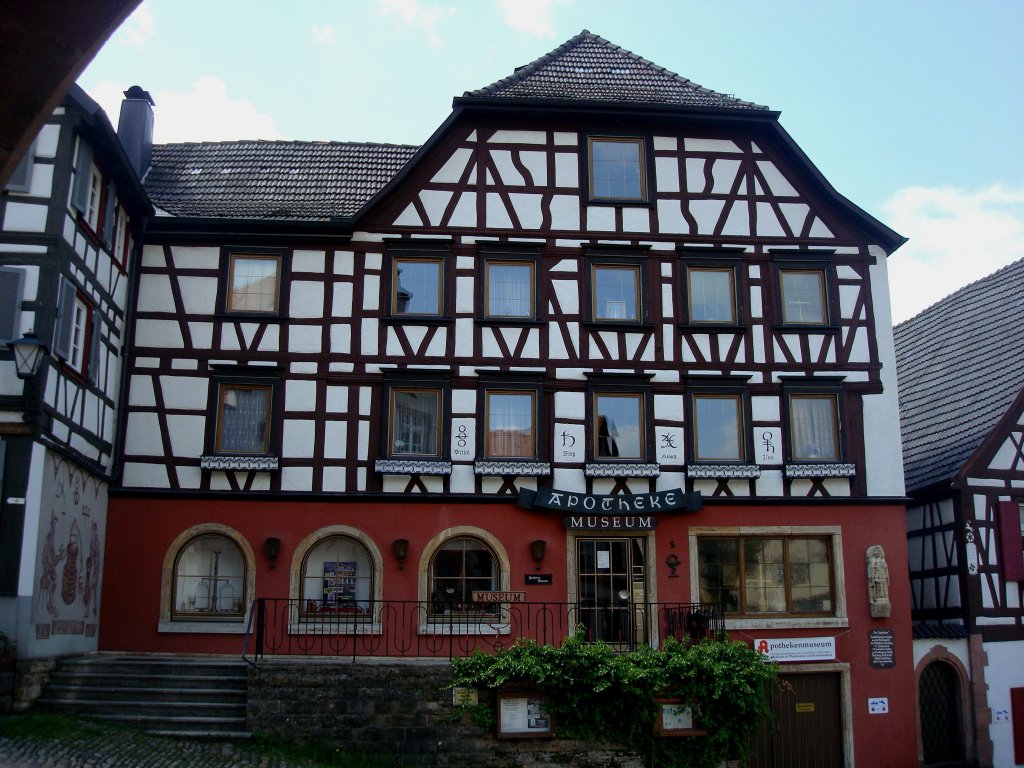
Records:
x=135, y=128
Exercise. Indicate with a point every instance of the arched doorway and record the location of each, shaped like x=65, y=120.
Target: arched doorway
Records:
x=939, y=703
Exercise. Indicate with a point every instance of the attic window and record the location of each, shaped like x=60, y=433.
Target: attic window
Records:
x=617, y=169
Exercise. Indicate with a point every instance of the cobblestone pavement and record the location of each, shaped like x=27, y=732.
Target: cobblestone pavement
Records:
x=129, y=749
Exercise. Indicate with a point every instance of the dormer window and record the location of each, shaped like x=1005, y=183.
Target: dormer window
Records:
x=618, y=169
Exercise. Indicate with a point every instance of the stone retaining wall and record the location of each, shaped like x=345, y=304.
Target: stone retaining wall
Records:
x=401, y=709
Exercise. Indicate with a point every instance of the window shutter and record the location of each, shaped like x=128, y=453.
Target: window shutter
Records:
x=94, y=347
x=21, y=179
x=65, y=317
x=83, y=172
x=108, y=215
x=1010, y=554
x=11, y=281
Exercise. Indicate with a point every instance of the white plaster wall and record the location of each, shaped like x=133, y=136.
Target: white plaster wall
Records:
x=882, y=440
x=1004, y=671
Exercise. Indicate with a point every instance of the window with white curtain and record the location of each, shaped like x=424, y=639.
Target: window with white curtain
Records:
x=509, y=289
x=814, y=427
x=511, y=424
x=803, y=297
x=711, y=295
x=415, y=422
x=243, y=421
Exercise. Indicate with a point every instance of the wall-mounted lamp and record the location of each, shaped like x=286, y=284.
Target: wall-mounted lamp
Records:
x=272, y=547
x=537, y=549
x=28, y=355
x=401, y=549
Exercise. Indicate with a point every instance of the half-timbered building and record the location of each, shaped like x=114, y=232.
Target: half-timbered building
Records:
x=607, y=343
x=961, y=372
x=67, y=218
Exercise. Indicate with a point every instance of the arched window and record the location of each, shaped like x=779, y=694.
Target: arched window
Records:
x=209, y=579
x=337, y=577
x=459, y=567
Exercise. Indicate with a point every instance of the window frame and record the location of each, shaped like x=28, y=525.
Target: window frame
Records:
x=441, y=409
x=218, y=389
x=310, y=608
x=231, y=256
x=594, y=432
x=742, y=400
x=642, y=142
x=237, y=615
x=486, y=440
x=688, y=297
x=836, y=607
x=465, y=614
x=490, y=261
x=76, y=332
x=837, y=425
x=804, y=262
x=411, y=257
x=595, y=266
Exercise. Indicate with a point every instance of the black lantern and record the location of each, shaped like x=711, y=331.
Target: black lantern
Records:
x=28, y=355
x=401, y=549
x=538, y=549
x=272, y=546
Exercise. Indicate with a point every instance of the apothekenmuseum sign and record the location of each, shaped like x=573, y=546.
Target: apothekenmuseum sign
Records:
x=585, y=511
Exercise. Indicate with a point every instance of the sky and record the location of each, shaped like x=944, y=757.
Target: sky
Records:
x=912, y=109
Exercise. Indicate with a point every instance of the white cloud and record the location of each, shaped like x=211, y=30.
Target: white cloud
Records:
x=205, y=113
x=322, y=35
x=414, y=14
x=532, y=16
x=137, y=28
x=956, y=236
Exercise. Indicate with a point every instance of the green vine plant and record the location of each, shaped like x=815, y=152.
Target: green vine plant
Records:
x=596, y=693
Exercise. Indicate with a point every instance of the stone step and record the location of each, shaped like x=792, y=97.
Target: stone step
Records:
x=181, y=726
x=61, y=691
x=133, y=710
x=92, y=678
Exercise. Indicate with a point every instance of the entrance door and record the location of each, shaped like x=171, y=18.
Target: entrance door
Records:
x=612, y=590
x=807, y=731
x=941, y=726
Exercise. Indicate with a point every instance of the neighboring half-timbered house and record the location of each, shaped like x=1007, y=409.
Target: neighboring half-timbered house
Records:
x=68, y=217
x=961, y=371
x=607, y=342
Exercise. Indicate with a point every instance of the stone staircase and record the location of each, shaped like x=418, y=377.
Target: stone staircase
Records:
x=166, y=695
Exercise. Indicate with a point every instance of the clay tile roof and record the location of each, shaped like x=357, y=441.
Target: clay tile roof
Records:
x=270, y=179
x=589, y=68
x=960, y=365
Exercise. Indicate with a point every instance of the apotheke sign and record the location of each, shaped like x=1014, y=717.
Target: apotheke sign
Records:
x=624, y=504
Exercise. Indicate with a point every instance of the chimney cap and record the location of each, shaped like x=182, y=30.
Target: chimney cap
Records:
x=137, y=92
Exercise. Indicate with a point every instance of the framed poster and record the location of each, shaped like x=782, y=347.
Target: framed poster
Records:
x=339, y=584
x=674, y=718
x=524, y=716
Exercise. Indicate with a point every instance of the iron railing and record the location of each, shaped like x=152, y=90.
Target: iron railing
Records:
x=410, y=629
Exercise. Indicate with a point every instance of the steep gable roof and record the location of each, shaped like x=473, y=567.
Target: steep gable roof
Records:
x=960, y=365
x=589, y=68
x=270, y=179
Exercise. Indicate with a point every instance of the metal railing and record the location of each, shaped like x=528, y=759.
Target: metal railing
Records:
x=416, y=629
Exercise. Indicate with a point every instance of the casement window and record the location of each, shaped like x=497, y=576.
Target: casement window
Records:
x=510, y=424
x=718, y=427
x=337, y=577
x=77, y=331
x=804, y=296
x=767, y=574
x=93, y=195
x=21, y=178
x=617, y=169
x=119, y=245
x=417, y=286
x=618, y=426
x=243, y=418
x=254, y=283
x=12, y=282
x=615, y=293
x=509, y=289
x=414, y=429
x=814, y=427
x=711, y=295
x=459, y=567
x=209, y=580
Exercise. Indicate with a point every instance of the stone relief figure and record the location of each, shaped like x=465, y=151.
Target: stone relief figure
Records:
x=878, y=582
x=51, y=558
x=92, y=573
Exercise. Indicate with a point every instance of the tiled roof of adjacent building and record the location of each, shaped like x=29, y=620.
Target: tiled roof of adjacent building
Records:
x=589, y=68
x=270, y=179
x=960, y=365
